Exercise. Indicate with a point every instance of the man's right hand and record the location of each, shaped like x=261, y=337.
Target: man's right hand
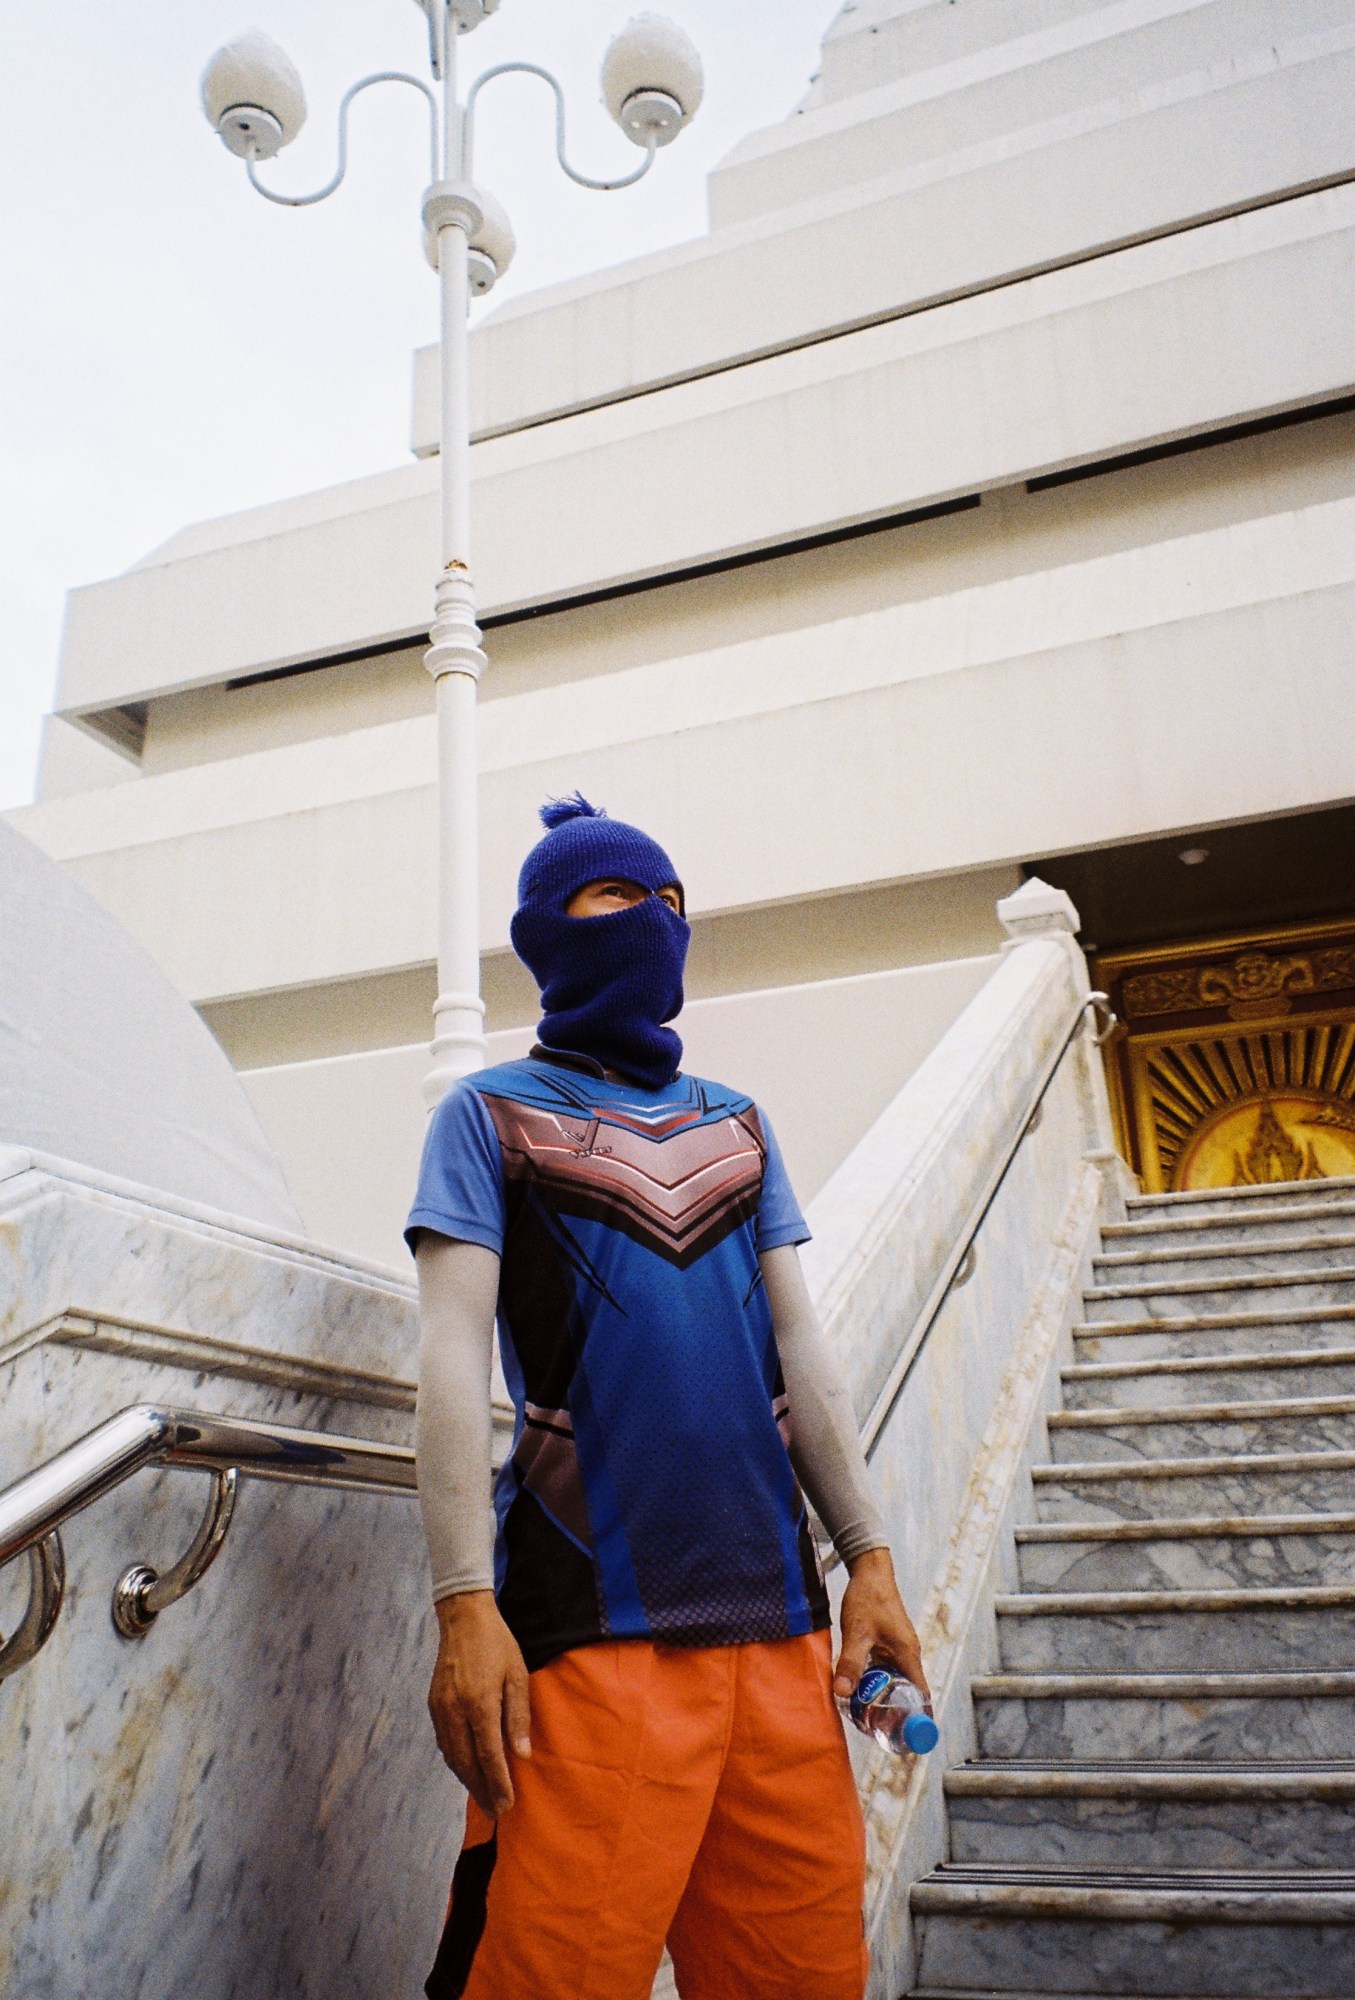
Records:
x=478, y=1698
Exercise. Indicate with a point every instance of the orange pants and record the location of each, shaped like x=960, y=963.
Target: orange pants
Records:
x=701, y=1796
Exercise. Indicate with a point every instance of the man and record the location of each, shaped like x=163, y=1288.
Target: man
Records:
x=635, y=1652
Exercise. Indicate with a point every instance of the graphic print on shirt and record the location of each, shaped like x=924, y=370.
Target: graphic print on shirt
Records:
x=674, y=1183
x=649, y=1493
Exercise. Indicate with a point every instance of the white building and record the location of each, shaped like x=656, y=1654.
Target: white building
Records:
x=979, y=491
x=976, y=500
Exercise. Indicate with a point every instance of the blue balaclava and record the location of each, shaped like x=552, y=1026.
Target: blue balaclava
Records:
x=609, y=983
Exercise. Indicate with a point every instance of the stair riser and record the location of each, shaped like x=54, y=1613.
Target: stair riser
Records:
x=1131, y=1265
x=1110, y=1728
x=1230, y=1437
x=1155, y=1298
x=1280, y=1233
x=1155, y=1343
x=1262, y=1205
x=1196, y=1835
x=1264, y=1640
x=1214, y=1562
x=1244, y=1261
x=997, y=1954
x=1138, y=1496
x=1210, y=1385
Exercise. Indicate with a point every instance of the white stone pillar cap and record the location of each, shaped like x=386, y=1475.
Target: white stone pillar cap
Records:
x=1038, y=910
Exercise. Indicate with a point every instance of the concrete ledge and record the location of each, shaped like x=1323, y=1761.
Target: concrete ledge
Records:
x=856, y=429
x=1072, y=187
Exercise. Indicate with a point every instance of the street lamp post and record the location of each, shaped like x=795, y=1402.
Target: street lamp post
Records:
x=652, y=84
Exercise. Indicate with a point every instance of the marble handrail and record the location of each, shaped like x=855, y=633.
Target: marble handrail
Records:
x=958, y=1264
x=958, y=1260
x=885, y=1224
x=35, y=1508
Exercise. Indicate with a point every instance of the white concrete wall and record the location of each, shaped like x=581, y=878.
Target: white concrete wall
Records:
x=1193, y=331
x=990, y=206
x=823, y=1060
x=1111, y=58
x=1078, y=705
x=872, y=41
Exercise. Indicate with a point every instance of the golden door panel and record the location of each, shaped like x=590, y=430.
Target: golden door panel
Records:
x=1234, y=1064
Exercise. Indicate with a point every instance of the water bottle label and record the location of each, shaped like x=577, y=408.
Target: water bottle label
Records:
x=873, y=1683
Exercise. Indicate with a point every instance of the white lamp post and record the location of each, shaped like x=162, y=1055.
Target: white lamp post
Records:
x=651, y=84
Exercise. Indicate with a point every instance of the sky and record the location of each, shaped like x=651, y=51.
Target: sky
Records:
x=173, y=348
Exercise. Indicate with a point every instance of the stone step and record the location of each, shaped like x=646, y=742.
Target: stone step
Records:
x=1020, y=1932
x=1153, y=1816
x=1188, y=1488
x=1299, y=1253
x=1189, y=1555
x=1202, y=1378
x=1316, y=1218
x=1257, y=1204
x=1090, y=1718
x=1139, y=1337
x=1205, y=1430
x=1254, y=1291
x=1309, y=1629
x=1047, y=1993
x=991, y=1993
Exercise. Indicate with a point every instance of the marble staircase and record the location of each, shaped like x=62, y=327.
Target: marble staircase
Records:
x=1162, y=1801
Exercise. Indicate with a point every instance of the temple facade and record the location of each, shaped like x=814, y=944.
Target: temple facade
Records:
x=976, y=499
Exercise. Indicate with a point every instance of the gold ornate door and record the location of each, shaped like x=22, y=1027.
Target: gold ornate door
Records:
x=1235, y=1061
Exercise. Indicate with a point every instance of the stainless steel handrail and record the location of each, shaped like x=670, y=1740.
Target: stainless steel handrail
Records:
x=141, y=1593
x=35, y=1508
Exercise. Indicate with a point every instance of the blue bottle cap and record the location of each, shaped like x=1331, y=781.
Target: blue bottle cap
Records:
x=920, y=1734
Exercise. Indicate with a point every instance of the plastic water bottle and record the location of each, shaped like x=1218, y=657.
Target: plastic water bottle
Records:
x=897, y=1714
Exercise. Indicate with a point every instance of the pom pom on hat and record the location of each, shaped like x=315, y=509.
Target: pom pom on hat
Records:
x=558, y=812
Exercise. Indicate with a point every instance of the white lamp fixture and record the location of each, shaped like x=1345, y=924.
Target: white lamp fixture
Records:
x=652, y=81
x=253, y=97
x=492, y=243
x=651, y=84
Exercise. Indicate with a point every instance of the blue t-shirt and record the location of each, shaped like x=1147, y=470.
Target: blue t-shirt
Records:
x=649, y=1493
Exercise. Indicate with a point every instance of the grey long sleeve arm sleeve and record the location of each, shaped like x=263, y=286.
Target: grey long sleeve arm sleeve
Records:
x=453, y=1426
x=825, y=1446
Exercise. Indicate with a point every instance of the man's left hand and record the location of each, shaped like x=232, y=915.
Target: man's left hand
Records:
x=875, y=1627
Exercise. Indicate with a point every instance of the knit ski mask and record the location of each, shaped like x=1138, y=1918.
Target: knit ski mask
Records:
x=609, y=983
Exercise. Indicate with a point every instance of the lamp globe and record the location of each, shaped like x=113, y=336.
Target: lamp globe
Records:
x=253, y=97
x=652, y=81
x=492, y=243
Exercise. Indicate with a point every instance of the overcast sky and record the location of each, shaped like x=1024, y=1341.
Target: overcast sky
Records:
x=173, y=348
